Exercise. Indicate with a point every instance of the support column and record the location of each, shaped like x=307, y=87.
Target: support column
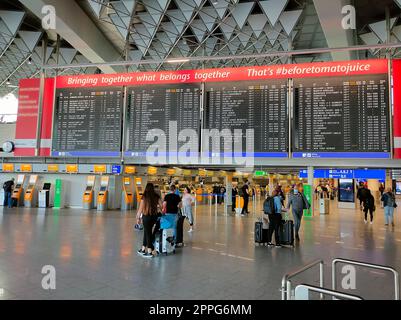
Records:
x=229, y=188
x=310, y=183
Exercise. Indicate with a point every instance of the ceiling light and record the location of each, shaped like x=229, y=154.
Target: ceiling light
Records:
x=177, y=60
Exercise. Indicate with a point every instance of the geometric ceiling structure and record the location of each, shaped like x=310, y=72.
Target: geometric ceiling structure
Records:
x=159, y=30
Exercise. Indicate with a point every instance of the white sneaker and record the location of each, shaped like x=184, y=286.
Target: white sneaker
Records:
x=190, y=230
x=371, y=222
x=366, y=221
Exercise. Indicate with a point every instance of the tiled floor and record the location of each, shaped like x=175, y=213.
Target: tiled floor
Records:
x=94, y=255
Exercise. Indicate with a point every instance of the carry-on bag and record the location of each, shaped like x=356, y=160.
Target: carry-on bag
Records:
x=287, y=233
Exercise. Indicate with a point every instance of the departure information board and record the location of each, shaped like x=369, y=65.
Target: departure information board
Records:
x=342, y=117
x=88, y=122
x=261, y=106
x=161, y=110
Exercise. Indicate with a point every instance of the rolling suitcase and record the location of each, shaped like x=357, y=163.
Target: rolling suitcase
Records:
x=287, y=233
x=260, y=233
x=164, y=241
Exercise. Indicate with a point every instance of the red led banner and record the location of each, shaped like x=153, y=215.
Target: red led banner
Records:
x=305, y=70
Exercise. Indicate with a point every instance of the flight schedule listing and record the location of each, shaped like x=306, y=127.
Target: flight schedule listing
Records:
x=88, y=121
x=341, y=115
x=161, y=110
x=261, y=106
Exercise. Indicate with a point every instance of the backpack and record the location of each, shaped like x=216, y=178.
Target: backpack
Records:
x=268, y=206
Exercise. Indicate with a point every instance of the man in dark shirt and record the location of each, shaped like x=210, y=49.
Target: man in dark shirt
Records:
x=8, y=189
x=245, y=195
x=172, y=204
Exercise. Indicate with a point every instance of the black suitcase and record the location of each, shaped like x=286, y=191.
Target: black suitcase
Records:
x=287, y=233
x=180, y=230
x=260, y=233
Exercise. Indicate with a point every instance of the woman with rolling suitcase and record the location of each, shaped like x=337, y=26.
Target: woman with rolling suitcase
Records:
x=149, y=208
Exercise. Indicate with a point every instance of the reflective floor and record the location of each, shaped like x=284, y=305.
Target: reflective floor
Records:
x=94, y=255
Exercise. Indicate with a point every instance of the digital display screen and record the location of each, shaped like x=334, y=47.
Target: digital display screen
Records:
x=88, y=122
x=342, y=117
x=346, y=190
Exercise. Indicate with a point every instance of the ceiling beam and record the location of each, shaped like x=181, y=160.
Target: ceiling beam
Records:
x=74, y=26
x=330, y=16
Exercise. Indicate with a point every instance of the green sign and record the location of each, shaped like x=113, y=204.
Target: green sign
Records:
x=308, y=195
x=259, y=173
x=58, y=193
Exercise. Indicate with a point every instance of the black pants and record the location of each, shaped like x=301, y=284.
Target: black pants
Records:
x=180, y=230
x=274, y=226
x=245, y=207
x=148, y=237
x=370, y=212
x=233, y=200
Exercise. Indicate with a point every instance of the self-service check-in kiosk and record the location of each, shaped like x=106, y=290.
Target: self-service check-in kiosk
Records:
x=44, y=196
x=102, y=202
x=138, y=191
x=31, y=196
x=18, y=190
x=128, y=195
x=88, y=198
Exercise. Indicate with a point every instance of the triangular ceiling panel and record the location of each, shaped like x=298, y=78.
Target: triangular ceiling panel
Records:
x=208, y=16
x=257, y=23
x=199, y=29
x=129, y=5
x=30, y=38
x=221, y=7
x=273, y=9
x=245, y=35
x=289, y=19
x=177, y=17
x=228, y=27
x=68, y=54
x=379, y=28
x=273, y=33
x=12, y=19
x=186, y=8
x=96, y=7
x=241, y=12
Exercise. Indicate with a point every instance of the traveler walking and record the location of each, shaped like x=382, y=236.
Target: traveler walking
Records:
x=389, y=204
x=188, y=201
x=245, y=195
x=299, y=203
x=369, y=205
x=147, y=212
x=275, y=220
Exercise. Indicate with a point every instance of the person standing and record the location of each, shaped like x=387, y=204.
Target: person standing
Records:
x=299, y=203
x=148, y=210
x=361, y=194
x=389, y=204
x=8, y=189
x=369, y=205
x=275, y=221
x=234, y=198
x=188, y=201
x=172, y=205
x=245, y=195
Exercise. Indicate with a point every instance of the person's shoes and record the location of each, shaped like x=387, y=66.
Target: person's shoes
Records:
x=269, y=244
x=191, y=230
x=141, y=252
x=297, y=237
x=179, y=245
x=278, y=245
x=386, y=225
x=366, y=221
x=148, y=255
x=242, y=215
x=371, y=222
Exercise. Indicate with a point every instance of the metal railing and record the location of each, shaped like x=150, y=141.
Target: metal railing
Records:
x=367, y=265
x=286, y=284
x=323, y=291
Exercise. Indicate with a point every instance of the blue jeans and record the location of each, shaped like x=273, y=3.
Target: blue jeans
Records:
x=389, y=214
x=297, y=220
x=7, y=199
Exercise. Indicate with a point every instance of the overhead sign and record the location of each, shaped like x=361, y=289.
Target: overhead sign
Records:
x=130, y=170
x=379, y=174
x=71, y=168
x=100, y=168
x=26, y=168
x=116, y=169
x=52, y=168
x=8, y=167
x=304, y=70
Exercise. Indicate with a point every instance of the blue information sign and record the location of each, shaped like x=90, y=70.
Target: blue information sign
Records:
x=360, y=174
x=116, y=169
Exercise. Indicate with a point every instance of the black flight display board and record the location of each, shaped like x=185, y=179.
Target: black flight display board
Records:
x=87, y=122
x=168, y=109
x=345, y=117
x=261, y=106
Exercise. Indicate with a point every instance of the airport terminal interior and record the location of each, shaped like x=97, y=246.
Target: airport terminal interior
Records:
x=276, y=122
